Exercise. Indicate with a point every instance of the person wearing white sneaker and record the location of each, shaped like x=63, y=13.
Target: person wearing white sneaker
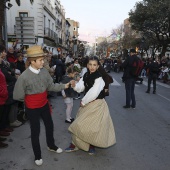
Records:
x=56, y=149
x=32, y=87
x=39, y=162
x=16, y=123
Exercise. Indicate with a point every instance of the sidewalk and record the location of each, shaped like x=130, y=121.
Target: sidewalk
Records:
x=19, y=154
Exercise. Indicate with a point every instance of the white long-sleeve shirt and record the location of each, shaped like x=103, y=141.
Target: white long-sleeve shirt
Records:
x=93, y=92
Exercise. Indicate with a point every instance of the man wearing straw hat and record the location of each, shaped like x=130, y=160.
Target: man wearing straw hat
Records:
x=31, y=87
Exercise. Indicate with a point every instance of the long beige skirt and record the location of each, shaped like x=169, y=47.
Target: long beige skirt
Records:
x=93, y=125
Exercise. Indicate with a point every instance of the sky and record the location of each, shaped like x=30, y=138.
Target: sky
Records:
x=97, y=17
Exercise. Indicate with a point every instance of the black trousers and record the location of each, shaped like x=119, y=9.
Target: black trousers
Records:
x=152, y=77
x=4, y=116
x=34, y=116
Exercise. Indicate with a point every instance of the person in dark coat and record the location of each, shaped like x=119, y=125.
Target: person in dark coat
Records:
x=59, y=71
x=20, y=64
x=153, y=70
x=129, y=80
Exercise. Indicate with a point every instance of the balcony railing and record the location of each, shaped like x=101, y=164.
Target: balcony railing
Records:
x=58, y=23
x=60, y=41
x=49, y=33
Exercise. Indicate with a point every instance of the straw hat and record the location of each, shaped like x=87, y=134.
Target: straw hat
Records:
x=35, y=51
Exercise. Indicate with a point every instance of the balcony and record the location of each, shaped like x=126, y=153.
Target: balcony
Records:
x=60, y=41
x=49, y=33
x=58, y=24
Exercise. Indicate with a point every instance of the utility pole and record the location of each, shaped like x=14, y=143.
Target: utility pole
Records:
x=5, y=26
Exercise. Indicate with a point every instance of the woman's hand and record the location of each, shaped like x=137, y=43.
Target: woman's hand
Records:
x=73, y=83
x=81, y=105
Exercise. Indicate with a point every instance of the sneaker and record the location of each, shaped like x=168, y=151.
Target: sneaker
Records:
x=16, y=123
x=39, y=162
x=3, y=133
x=76, y=98
x=3, y=145
x=154, y=92
x=147, y=91
x=66, y=121
x=126, y=107
x=2, y=139
x=55, y=149
x=91, y=151
x=72, y=119
x=71, y=148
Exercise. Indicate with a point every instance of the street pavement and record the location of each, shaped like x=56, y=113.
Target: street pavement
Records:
x=142, y=134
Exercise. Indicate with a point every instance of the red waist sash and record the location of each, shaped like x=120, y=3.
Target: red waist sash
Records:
x=33, y=101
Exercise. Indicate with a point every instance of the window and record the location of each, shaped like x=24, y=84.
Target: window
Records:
x=23, y=14
x=48, y=23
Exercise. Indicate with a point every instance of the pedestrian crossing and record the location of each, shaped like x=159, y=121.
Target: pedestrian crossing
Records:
x=145, y=83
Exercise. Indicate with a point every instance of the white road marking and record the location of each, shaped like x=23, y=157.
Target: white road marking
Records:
x=162, y=84
x=164, y=97
x=115, y=83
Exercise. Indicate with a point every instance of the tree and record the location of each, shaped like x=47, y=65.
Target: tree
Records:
x=152, y=19
x=2, y=16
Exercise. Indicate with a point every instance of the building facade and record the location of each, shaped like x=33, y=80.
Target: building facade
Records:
x=42, y=23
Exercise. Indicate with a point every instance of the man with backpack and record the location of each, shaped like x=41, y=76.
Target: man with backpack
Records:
x=132, y=67
x=153, y=70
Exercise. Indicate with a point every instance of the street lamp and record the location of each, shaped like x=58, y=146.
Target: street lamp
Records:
x=8, y=6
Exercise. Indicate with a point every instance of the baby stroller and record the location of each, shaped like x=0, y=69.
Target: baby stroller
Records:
x=139, y=80
x=21, y=112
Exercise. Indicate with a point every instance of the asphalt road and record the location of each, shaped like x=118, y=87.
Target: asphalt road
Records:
x=143, y=136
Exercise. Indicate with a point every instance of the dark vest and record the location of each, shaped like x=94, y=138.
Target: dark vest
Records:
x=89, y=80
x=69, y=92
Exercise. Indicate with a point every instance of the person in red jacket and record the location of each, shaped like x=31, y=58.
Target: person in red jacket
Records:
x=3, y=98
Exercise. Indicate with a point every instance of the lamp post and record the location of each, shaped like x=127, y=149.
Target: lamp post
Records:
x=5, y=32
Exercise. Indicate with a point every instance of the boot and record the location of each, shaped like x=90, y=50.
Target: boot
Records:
x=3, y=133
x=2, y=139
x=3, y=145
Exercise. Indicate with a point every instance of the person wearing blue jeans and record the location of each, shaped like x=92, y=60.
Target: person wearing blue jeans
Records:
x=129, y=80
x=130, y=95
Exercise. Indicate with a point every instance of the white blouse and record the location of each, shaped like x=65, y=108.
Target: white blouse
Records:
x=93, y=92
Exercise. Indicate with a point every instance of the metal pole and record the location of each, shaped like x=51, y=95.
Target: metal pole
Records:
x=5, y=26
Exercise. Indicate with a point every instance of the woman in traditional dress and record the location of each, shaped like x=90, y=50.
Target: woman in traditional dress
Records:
x=93, y=125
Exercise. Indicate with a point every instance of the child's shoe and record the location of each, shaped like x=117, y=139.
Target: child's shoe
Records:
x=55, y=149
x=91, y=150
x=71, y=148
x=39, y=162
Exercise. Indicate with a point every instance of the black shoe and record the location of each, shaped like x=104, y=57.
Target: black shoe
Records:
x=147, y=91
x=3, y=145
x=126, y=107
x=66, y=121
x=72, y=119
x=2, y=139
x=154, y=92
x=76, y=98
